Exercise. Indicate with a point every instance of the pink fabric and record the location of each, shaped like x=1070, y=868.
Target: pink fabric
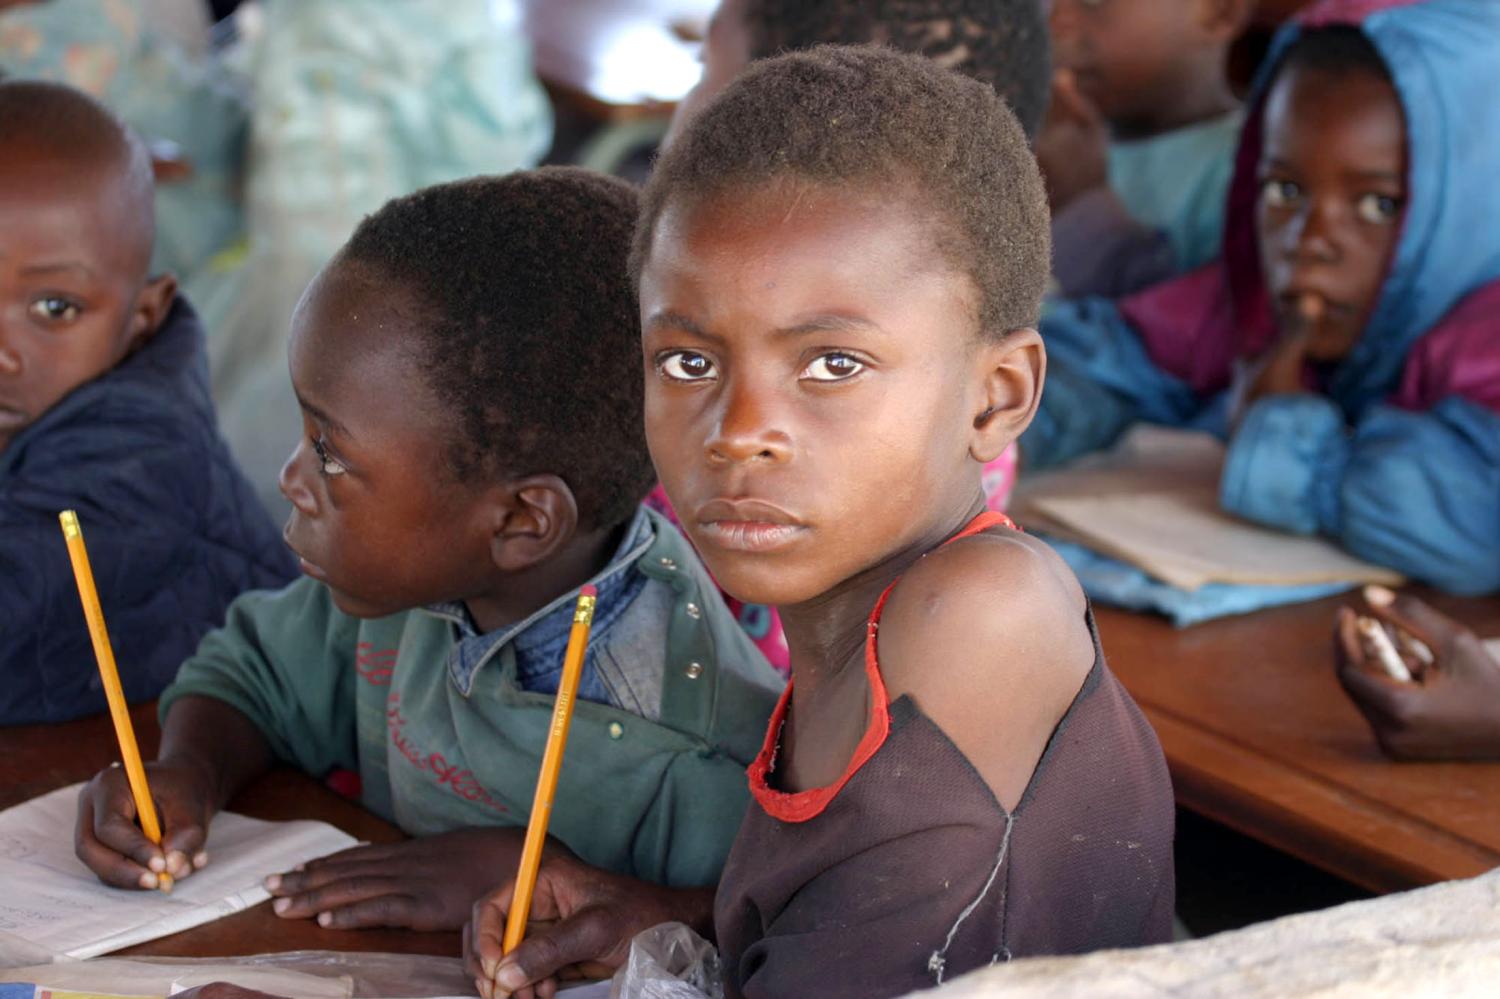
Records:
x=1460, y=357
x=1345, y=11
x=998, y=478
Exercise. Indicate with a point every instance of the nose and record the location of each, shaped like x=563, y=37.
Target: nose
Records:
x=293, y=483
x=746, y=431
x=1314, y=238
x=10, y=358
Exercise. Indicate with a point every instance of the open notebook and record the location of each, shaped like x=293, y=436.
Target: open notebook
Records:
x=51, y=903
x=1153, y=501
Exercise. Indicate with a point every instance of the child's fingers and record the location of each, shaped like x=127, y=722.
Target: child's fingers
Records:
x=392, y=909
x=183, y=837
x=1349, y=650
x=1434, y=629
x=324, y=900
x=1385, y=702
x=579, y=939
x=107, y=839
x=488, y=935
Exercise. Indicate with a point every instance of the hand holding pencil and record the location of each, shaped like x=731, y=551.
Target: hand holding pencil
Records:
x=145, y=845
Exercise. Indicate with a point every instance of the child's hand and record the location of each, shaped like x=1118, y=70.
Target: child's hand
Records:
x=1073, y=146
x=110, y=843
x=429, y=883
x=581, y=923
x=1451, y=713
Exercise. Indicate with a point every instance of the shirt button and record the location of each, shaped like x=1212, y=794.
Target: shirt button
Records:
x=693, y=671
x=693, y=611
x=667, y=563
x=616, y=730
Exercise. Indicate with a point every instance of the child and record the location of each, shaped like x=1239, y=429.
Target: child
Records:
x=471, y=403
x=1003, y=44
x=1354, y=311
x=838, y=262
x=104, y=408
x=1147, y=78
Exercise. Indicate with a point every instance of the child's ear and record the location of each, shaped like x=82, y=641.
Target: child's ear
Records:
x=1012, y=370
x=539, y=516
x=150, y=309
x=1223, y=20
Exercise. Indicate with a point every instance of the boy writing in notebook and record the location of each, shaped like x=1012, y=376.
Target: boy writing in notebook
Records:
x=1346, y=343
x=840, y=262
x=104, y=407
x=1139, y=139
x=467, y=369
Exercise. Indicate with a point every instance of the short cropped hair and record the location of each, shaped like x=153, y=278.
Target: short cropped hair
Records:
x=72, y=127
x=864, y=117
x=1000, y=42
x=530, y=335
x=1336, y=49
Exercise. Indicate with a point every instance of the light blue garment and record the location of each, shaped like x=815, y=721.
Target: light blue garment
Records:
x=1416, y=491
x=117, y=52
x=1112, y=582
x=356, y=102
x=1177, y=182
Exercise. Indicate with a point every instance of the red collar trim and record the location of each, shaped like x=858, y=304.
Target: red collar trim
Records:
x=799, y=806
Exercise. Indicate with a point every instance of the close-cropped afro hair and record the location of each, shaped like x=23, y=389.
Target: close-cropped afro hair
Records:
x=1335, y=49
x=529, y=333
x=867, y=117
x=1000, y=42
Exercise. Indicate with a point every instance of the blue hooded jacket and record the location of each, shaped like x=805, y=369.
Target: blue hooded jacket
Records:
x=1399, y=459
x=174, y=531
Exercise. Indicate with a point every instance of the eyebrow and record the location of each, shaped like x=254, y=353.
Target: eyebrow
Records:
x=72, y=265
x=1390, y=176
x=322, y=417
x=825, y=323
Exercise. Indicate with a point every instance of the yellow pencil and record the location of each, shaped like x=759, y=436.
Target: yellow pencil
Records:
x=118, y=710
x=546, y=782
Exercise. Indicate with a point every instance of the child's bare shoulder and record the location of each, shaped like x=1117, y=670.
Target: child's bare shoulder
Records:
x=988, y=636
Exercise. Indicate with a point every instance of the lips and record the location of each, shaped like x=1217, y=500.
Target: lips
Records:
x=11, y=417
x=747, y=525
x=309, y=568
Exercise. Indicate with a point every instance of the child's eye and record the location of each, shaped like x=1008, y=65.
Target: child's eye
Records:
x=685, y=366
x=327, y=464
x=55, y=309
x=1277, y=193
x=1378, y=209
x=833, y=367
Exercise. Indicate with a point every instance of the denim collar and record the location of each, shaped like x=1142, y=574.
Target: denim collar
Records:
x=550, y=624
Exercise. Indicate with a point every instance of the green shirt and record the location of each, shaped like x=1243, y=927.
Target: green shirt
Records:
x=655, y=799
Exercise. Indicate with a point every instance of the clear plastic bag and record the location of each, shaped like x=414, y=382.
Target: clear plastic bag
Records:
x=669, y=961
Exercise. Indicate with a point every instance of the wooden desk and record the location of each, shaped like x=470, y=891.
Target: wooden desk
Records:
x=616, y=60
x=1259, y=736
x=38, y=759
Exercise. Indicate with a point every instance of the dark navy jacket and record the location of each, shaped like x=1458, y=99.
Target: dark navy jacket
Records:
x=174, y=530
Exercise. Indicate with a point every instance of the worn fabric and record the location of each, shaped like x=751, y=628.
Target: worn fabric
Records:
x=908, y=872
x=174, y=531
x=1397, y=456
x=442, y=739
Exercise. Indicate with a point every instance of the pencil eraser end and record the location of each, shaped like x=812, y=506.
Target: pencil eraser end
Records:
x=588, y=591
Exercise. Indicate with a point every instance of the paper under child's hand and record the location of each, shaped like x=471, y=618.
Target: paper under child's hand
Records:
x=1072, y=147
x=429, y=883
x=109, y=842
x=1451, y=711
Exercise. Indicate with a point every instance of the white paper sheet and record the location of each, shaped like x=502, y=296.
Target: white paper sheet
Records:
x=49, y=899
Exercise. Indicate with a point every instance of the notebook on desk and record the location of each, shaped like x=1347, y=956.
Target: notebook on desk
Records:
x=53, y=905
x=1153, y=501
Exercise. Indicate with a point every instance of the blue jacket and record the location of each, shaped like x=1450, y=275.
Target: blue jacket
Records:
x=174, y=531
x=1399, y=458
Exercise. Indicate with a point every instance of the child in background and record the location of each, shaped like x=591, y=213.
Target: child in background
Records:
x=1348, y=344
x=839, y=261
x=1139, y=141
x=148, y=62
x=104, y=408
x=1002, y=43
x=467, y=369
